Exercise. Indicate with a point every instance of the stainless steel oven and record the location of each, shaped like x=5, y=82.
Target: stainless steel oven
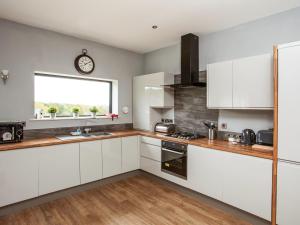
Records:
x=174, y=158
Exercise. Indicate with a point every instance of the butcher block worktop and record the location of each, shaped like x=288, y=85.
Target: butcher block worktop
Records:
x=204, y=142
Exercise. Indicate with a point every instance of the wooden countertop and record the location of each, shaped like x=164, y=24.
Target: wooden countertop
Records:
x=215, y=144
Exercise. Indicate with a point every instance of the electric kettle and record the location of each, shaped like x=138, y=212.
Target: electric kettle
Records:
x=248, y=137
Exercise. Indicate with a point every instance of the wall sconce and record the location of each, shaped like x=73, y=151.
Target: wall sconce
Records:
x=4, y=75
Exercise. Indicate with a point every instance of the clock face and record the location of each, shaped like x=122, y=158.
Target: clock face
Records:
x=84, y=64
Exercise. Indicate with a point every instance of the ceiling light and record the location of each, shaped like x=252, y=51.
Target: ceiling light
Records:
x=154, y=27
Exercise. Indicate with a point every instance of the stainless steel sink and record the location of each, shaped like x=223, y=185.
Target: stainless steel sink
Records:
x=74, y=137
x=100, y=134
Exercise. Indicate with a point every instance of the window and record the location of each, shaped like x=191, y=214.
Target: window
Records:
x=68, y=92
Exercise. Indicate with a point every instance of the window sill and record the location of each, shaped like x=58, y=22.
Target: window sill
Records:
x=72, y=118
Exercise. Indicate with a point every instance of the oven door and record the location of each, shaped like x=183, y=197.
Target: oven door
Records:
x=174, y=162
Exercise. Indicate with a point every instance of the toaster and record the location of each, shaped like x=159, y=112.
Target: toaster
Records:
x=265, y=137
x=166, y=128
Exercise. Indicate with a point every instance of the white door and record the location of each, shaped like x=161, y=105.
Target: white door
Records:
x=248, y=184
x=130, y=154
x=58, y=167
x=253, y=82
x=288, y=194
x=288, y=103
x=18, y=175
x=90, y=161
x=112, y=157
x=205, y=171
x=219, y=82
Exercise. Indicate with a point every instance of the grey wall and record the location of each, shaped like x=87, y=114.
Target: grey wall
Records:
x=254, y=38
x=25, y=49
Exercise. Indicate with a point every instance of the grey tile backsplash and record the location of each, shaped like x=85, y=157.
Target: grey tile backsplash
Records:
x=190, y=109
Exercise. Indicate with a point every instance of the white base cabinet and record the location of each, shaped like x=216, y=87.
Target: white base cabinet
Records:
x=112, y=157
x=58, y=167
x=130, y=154
x=242, y=181
x=90, y=161
x=18, y=175
x=288, y=195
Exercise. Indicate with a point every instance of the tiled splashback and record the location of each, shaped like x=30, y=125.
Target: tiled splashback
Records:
x=190, y=109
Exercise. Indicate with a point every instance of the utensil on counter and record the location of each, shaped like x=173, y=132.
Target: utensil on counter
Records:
x=212, y=129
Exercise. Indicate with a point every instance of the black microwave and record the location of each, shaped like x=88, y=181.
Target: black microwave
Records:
x=11, y=132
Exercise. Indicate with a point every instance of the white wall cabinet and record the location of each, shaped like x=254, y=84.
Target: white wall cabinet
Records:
x=219, y=85
x=130, y=154
x=90, y=161
x=288, y=195
x=112, y=157
x=245, y=83
x=18, y=175
x=253, y=82
x=58, y=167
x=205, y=171
x=248, y=184
x=149, y=93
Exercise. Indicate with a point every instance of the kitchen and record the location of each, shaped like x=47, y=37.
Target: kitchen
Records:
x=227, y=85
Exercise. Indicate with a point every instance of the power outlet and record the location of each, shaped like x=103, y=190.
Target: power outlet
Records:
x=224, y=126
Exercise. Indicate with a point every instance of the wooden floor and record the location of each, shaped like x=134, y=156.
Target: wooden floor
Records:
x=135, y=200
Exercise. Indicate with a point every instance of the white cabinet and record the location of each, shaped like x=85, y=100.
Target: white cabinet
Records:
x=58, y=167
x=112, y=157
x=248, y=184
x=288, y=103
x=288, y=195
x=245, y=83
x=148, y=92
x=90, y=161
x=205, y=171
x=151, y=152
x=253, y=82
x=219, y=85
x=18, y=175
x=130, y=154
x=151, y=166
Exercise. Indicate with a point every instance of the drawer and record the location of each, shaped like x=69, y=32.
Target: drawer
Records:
x=151, y=141
x=151, y=166
x=151, y=152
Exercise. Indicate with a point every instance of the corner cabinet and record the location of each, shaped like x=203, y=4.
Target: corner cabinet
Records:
x=245, y=83
x=112, y=157
x=130, y=154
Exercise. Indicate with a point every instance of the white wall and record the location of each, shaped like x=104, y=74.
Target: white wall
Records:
x=24, y=49
x=253, y=38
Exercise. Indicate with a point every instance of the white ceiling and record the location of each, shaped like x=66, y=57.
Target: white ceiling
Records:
x=127, y=23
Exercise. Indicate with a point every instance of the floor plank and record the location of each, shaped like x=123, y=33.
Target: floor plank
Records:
x=137, y=200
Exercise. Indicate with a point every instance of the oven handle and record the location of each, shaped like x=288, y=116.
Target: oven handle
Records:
x=168, y=150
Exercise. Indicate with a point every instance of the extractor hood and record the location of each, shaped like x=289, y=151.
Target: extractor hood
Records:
x=190, y=75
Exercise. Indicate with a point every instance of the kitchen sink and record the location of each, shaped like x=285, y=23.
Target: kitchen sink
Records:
x=74, y=137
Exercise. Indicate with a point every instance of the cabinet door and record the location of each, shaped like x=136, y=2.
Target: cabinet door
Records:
x=219, y=81
x=151, y=152
x=130, y=154
x=151, y=166
x=253, y=82
x=288, y=195
x=90, y=161
x=58, y=167
x=288, y=103
x=248, y=184
x=18, y=175
x=112, y=157
x=205, y=171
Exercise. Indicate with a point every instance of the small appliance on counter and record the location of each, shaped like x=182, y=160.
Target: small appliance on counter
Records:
x=248, y=137
x=212, y=130
x=265, y=137
x=163, y=127
x=11, y=132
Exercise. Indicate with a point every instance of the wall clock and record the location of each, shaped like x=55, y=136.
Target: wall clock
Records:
x=84, y=64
